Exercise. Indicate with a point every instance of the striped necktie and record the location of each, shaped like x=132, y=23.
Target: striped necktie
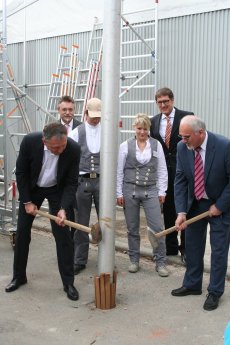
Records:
x=198, y=175
x=168, y=131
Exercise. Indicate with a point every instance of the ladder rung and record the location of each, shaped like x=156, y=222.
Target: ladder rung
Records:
x=135, y=56
x=137, y=102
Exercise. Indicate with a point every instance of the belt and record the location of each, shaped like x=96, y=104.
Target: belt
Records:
x=90, y=175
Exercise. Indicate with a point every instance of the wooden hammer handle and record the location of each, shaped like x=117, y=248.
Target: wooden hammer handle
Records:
x=66, y=222
x=187, y=222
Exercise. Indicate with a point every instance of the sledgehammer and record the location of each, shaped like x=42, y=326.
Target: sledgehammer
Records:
x=187, y=222
x=95, y=230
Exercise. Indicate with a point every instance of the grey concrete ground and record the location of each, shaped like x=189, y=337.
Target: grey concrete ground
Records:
x=39, y=313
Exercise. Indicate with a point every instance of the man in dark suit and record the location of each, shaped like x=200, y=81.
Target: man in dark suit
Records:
x=66, y=109
x=165, y=100
x=202, y=184
x=47, y=167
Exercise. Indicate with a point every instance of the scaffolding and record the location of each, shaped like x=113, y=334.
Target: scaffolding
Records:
x=138, y=67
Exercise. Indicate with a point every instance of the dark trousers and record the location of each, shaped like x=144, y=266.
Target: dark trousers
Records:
x=64, y=243
x=87, y=193
x=195, y=247
x=170, y=215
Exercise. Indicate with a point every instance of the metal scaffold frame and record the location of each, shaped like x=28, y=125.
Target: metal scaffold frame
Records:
x=134, y=78
x=83, y=87
x=10, y=133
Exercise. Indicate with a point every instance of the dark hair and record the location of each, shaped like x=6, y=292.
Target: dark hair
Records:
x=55, y=129
x=66, y=98
x=164, y=91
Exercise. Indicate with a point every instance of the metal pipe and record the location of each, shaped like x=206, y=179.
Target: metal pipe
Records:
x=31, y=100
x=109, y=138
x=4, y=98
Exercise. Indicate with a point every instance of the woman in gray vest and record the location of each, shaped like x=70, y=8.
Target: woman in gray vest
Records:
x=142, y=179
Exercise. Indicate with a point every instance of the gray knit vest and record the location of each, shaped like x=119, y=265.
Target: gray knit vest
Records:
x=89, y=162
x=137, y=173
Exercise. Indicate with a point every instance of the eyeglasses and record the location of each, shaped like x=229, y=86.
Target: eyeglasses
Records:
x=185, y=137
x=165, y=102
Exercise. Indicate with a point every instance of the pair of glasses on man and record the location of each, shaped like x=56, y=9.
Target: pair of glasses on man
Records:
x=165, y=102
x=185, y=137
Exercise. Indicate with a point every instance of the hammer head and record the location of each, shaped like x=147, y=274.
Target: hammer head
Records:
x=96, y=233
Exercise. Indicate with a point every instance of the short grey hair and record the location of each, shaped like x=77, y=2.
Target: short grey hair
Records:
x=194, y=122
x=55, y=129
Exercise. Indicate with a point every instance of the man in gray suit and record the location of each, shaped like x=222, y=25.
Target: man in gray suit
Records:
x=202, y=184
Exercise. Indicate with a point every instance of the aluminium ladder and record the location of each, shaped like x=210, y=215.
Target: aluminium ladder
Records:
x=89, y=75
x=64, y=81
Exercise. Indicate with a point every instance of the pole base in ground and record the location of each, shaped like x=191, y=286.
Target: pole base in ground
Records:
x=105, y=291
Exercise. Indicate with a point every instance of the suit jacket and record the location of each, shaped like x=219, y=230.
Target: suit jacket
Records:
x=75, y=123
x=29, y=164
x=216, y=175
x=170, y=153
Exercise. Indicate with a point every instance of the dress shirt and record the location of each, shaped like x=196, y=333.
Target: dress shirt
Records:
x=163, y=123
x=69, y=126
x=48, y=173
x=143, y=157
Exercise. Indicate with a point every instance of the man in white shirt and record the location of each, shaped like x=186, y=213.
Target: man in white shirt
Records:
x=47, y=168
x=66, y=110
x=88, y=135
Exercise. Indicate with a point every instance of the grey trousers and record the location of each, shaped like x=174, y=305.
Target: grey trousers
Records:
x=87, y=193
x=147, y=197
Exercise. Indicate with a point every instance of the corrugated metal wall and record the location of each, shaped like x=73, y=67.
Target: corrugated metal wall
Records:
x=194, y=60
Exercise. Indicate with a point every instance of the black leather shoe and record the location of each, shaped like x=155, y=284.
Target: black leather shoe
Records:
x=72, y=292
x=78, y=268
x=183, y=258
x=15, y=284
x=211, y=302
x=183, y=291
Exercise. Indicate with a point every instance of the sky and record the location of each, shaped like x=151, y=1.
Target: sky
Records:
x=47, y=18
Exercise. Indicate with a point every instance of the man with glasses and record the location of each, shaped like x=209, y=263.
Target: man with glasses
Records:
x=202, y=184
x=165, y=128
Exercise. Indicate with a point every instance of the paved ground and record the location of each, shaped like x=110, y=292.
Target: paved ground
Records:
x=40, y=314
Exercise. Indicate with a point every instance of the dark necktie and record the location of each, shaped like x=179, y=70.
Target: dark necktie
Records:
x=198, y=175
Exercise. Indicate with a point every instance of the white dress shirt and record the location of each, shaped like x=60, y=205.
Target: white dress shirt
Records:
x=48, y=173
x=68, y=126
x=163, y=123
x=143, y=157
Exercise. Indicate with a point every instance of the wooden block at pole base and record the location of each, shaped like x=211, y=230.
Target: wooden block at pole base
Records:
x=97, y=292
x=105, y=291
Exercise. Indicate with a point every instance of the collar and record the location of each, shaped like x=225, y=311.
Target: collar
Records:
x=171, y=115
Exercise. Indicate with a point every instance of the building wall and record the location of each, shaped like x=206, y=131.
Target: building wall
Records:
x=193, y=60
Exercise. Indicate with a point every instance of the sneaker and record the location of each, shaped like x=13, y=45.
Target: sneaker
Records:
x=134, y=267
x=211, y=302
x=162, y=271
